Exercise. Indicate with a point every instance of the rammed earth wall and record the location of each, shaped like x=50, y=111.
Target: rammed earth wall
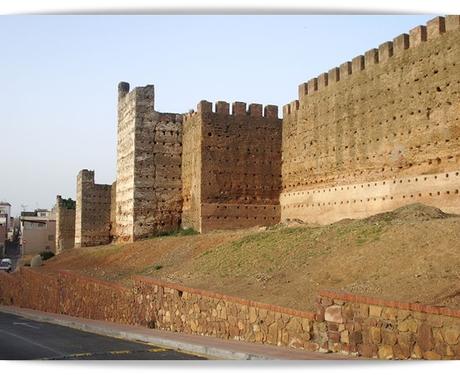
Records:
x=65, y=224
x=345, y=323
x=379, y=132
x=231, y=166
x=149, y=152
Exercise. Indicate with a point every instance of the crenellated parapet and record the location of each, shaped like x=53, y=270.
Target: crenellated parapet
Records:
x=237, y=109
x=383, y=119
x=231, y=166
x=381, y=55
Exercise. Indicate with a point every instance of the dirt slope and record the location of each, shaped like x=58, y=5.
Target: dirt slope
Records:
x=410, y=254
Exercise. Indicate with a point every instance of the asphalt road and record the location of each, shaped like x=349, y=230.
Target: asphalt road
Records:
x=26, y=339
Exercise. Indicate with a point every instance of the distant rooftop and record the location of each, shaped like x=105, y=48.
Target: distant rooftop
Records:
x=5, y=204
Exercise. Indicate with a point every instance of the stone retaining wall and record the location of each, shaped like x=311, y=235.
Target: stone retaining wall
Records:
x=382, y=329
x=343, y=322
x=67, y=293
x=177, y=308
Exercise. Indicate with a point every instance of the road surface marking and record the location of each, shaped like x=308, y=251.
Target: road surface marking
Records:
x=157, y=350
x=121, y=352
x=32, y=342
x=25, y=324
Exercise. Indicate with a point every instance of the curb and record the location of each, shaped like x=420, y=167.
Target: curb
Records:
x=203, y=350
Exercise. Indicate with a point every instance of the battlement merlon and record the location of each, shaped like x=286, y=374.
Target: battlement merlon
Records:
x=290, y=108
x=68, y=203
x=238, y=109
x=417, y=36
x=123, y=89
x=142, y=95
x=86, y=176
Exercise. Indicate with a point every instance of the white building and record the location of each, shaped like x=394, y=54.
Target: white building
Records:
x=38, y=231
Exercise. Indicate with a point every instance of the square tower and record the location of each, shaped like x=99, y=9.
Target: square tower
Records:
x=149, y=151
x=92, y=213
x=231, y=173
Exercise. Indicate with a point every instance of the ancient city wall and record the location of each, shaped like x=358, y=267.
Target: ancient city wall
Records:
x=149, y=151
x=231, y=166
x=343, y=322
x=378, y=132
x=92, y=216
x=191, y=172
x=113, y=210
x=65, y=224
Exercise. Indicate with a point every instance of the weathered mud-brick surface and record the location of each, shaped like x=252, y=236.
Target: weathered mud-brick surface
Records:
x=92, y=217
x=231, y=166
x=378, y=132
x=113, y=210
x=388, y=330
x=149, y=152
x=65, y=224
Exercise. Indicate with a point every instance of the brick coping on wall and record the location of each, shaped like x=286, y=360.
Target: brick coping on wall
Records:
x=343, y=296
x=206, y=293
x=65, y=273
x=411, y=306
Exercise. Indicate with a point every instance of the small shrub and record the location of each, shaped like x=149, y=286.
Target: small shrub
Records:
x=157, y=267
x=46, y=254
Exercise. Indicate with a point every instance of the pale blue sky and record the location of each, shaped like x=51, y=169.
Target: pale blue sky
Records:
x=59, y=77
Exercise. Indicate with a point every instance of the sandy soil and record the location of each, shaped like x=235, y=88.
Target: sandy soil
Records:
x=411, y=254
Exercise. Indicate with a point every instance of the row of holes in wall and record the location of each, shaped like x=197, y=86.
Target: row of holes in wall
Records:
x=172, y=211
x=292, y=150
x=435, y=137
x=352, y=201
x=246, y=162
x=165, y=177
x=409, y=110
x=311, y=136
x=379, y=156
x=386, y=73
x=273, y=218
x=148, y=144
x=265, y=149
x=158, y=189
x=402, y=165
x=239, y=198
x=336, y=103
x=347, y=117
x=236, y=174
x=158, y=132
x=268, y=136
x=166, y=167
x=373, y=184
x=380, y=171
x=258, y=207
x=247, y=188
x=301, y=141
x=335, y=150
x=154, y=154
